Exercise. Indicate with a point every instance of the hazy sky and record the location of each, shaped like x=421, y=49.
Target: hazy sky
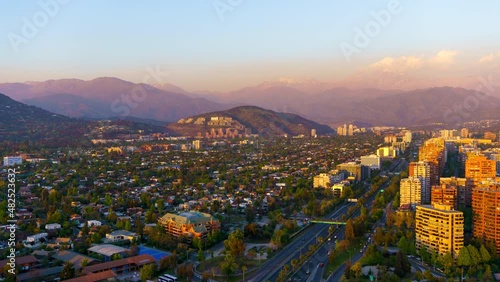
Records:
x=249, y=42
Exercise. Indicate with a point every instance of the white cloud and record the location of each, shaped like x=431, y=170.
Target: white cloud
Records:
x=489, y=58
x=444, y=58
x=400, y=64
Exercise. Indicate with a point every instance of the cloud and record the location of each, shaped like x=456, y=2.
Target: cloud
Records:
x=441, y=60
x=400, y=64
x=489, y=58
x=444, y=58
x=404, y=72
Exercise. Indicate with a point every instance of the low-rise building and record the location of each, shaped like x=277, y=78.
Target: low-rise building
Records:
x=120, y=235
x=52, y=226
x=107, y=251
x=11, y=161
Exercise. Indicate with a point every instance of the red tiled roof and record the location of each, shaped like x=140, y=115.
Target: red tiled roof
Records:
x=94, y=277
x=137, y=260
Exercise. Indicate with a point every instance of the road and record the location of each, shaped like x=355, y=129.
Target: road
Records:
x=419, y=266
x=337, y=274
x=270, y=270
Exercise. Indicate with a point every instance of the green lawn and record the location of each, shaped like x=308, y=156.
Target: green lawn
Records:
x=207, y=265
x=340, y=258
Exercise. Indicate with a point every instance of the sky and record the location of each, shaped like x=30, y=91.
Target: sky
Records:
x=219, y=45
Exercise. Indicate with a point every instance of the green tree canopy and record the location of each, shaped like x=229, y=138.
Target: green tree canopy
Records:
x=474, y=255
x=464, y=258
x=68, y=271
x=485, y=255
x=234, y=244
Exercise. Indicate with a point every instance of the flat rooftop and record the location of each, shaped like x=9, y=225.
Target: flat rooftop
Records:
x=107, y=249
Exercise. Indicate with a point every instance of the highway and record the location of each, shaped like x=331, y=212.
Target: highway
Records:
x=337, y=274
x=270, y=270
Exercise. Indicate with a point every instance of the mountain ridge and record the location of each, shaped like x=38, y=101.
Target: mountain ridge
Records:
x=257, y=120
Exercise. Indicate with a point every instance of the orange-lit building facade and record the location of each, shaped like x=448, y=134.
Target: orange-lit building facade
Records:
x=423, y=171
x=486, y=209
x=479, y=168
x=445, y=195
x=464, y=189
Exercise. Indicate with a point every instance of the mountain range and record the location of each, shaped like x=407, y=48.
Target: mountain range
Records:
x=319, y=101
x=21, y=122
x=107, y=97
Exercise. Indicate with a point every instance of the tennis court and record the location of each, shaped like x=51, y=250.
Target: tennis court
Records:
x=157, y=254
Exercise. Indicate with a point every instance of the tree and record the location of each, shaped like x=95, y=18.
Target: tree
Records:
x=185, y=271
x=67, y=272
x=201, y=256
x=485, y=255
x=250, y=214
x=464, y=258
x=447, y=262
x=85, y=262
x=488, y=274
x=357, y=270
x=474, y=255
x=349, y=231
x=402, y=265
x=234, y=244
x=85, y=230
x=294, y=263
x=229, y=265
x=423, y=253
x=403, y=245
x=147, y=272
x=347, y=270
x=379, y=236
x=251, y=230
x=252, y=254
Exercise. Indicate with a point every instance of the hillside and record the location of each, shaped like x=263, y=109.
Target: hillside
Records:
x=250, y=119
x=21, y=122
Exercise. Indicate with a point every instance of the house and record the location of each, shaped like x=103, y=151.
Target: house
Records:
x=41, y=274
x=91, y=223
x=94, y=277
x=37, y=238
x=121, y=266
x=25, y=263
x=108, y=250
x=120, y=235
x=52, y=226
x=78, y=260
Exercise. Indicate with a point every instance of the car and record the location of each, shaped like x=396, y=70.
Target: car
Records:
x=308, y=271
x=321, y=264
